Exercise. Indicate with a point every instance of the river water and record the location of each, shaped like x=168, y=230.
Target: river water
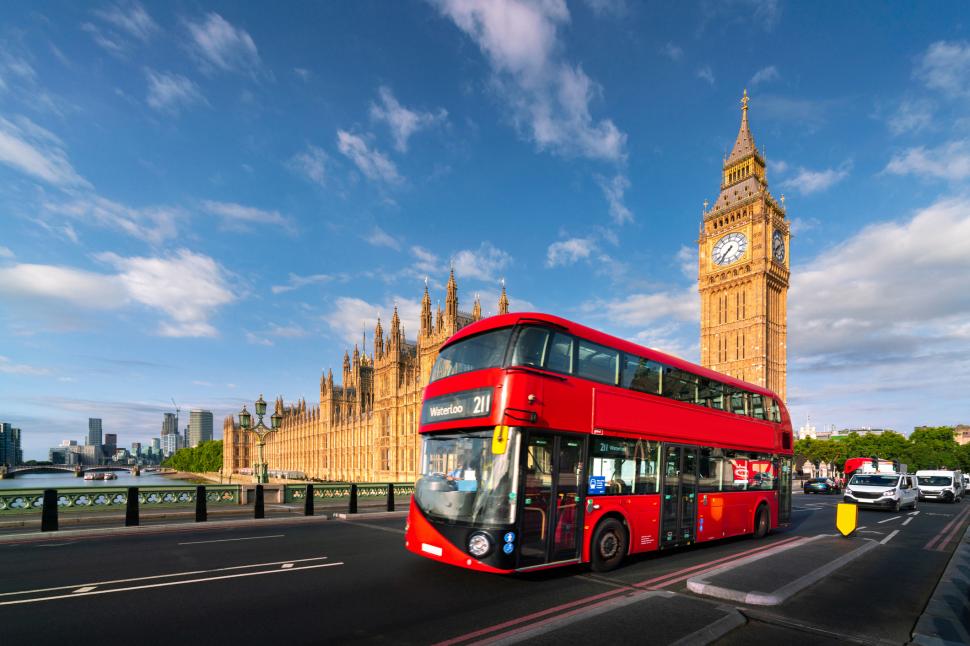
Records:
x=65, y=480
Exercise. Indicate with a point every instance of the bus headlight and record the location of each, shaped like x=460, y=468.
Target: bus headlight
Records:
x=479, y=545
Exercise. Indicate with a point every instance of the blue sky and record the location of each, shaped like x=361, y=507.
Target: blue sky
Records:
x=209, y=201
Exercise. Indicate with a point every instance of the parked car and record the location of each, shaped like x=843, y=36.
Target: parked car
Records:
x=820, y=485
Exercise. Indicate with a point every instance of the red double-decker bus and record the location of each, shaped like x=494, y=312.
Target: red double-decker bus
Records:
x=547, y=443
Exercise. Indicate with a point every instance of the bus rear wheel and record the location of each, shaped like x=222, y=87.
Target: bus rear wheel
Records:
x=762, y=522
x=609, y=545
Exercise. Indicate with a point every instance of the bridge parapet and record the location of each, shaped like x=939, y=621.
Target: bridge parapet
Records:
x=15, y=501
x=297, y=493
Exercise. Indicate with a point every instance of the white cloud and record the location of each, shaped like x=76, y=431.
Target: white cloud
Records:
x=673, y=52
x=9, y=367
x=188, y=287
x=171, y=92
x=611, y=8
x=30, y=149
x=809, y=181
x=894, y=292
x=378, y=237
x=638, y=310
x=568, y=252
x=221, y=46
x=484, y=263
x=302, y=72
x=402, y=121
x=76, y=287
x=152, y=224
x=109, y=42
x=801, y=225
x=549, y=99
x=911, y=116
x=687, y=259
x=946, y=67
x=311, y=163
x=765, y=75
x=297, y=282
x=372, y=163
x=425, y=262
x=130, y=18
x=706, y=74
x=950, y=161
x=5, y=252
x=254, y=339
x=286, y=331
x=237, y=215
x=353, y=316
x=613, y=189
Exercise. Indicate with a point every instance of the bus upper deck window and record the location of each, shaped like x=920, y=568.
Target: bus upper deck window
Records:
x=530, y=347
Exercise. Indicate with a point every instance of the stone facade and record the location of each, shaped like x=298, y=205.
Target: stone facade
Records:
x=743, y=271
x=365, y=429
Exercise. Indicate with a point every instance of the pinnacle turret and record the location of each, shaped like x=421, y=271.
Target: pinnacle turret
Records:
x=503, y=301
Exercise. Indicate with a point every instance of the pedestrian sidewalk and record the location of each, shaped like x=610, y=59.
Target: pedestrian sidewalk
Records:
x=791, y=568
x=946, y=619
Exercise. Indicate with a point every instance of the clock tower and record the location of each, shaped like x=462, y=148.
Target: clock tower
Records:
x=743, y=272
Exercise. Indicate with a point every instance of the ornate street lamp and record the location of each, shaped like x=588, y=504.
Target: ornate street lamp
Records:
x=261, y=472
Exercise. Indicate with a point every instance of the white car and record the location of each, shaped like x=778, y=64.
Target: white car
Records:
x=946, y=486
x=893, y=491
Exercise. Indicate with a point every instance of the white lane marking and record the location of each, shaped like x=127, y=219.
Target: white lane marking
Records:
x=229, y=540
x=889, y=519
x=890, y=537
x=393, y=530
x=863, y=527
x=86, y=588
x=53, y=544
x=162, y=576
x=165, y=585
x=286, y=565
x=915, y=513
x=869, y=531
x=908, y=521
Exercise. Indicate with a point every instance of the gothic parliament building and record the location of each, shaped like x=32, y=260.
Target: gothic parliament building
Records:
x=365, y=428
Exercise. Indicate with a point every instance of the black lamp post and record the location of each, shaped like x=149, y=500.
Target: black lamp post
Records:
x=260, y=473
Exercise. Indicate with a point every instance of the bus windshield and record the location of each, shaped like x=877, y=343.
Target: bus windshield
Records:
x=474, y=353
x=934, y=481
x=462, y=480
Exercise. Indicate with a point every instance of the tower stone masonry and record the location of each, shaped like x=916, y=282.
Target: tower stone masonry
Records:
x=365, y=428
x=743, y=271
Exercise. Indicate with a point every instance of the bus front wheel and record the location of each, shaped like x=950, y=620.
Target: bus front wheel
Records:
x=762, y=522
x=609, y=545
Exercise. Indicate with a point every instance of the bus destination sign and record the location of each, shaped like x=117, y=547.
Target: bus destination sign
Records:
x=463, y=405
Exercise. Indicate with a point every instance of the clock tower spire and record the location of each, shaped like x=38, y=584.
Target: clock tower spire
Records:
x=743, y=271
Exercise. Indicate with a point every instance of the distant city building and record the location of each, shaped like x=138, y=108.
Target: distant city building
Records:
x=170, y=424
x=68, y=442
x=136, y=449
x=110, y=445
x=11, y=452
x=962, y=434
x=91, y=455
x=94, y=431
x=807, y=431
x=156, y=444
x=171, y=443
x=200, y=427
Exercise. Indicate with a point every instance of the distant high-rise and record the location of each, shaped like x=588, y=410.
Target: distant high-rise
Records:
x=156, y=443
x=94, y=431
x=170, y=424
x=171, y=443
x=136, y=449
x=10, y=449
x=200, y=427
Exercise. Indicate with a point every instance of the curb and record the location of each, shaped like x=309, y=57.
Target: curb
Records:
x=946, y=619
x=372, y=514
x=702, y=585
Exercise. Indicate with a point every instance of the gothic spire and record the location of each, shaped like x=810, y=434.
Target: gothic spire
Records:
x=477, y=309
x=744, y=145
x=426, y=311
x=378, y=339
x=451, y=302
x=503, y=301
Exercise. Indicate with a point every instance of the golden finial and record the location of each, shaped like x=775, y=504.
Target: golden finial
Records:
x=744, y=100
x=782, y=200
x=705, y=204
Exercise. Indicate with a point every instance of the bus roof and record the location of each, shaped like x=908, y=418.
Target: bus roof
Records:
x=590, y=334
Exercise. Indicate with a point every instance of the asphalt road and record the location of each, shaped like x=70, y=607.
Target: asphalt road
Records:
x=339, y=581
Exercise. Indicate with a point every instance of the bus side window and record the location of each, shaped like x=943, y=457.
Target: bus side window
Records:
x=560, y=357
x=597, y=362
x=710, y=468
x=758, y=406
x=530, y=346
x=710, y=393
x=679, y=385
x=641, y=374
x=775, y=411
x=647, y=457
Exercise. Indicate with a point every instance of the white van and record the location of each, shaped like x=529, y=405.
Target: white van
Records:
x=946, y=486
x=887, y=490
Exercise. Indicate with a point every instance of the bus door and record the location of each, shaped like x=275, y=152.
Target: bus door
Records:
x=679, y=502
x=550, y=516
x=784, y=491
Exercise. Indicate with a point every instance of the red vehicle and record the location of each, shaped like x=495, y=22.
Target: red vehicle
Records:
x=870, y=465
x=547, y=443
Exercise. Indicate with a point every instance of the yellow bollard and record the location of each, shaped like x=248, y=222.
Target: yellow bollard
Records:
x=846, y=518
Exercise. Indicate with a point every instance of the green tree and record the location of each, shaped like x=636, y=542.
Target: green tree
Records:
x=933, y=447
x=207, y=456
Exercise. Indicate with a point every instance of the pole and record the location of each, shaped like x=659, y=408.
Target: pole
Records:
x=131, y=508
x=390, y=496
x=352, y=505
x=200, y=510
x=261, y=476
x=48, y=520
x=260, y=511
x=308, y=501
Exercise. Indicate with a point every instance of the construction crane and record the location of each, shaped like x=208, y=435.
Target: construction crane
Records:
x=177, y=411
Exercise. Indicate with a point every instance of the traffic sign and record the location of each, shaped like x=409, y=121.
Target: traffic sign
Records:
x=846, y=518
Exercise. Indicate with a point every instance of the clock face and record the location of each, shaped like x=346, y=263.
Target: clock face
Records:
x=729, y=248
x=778, y=246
